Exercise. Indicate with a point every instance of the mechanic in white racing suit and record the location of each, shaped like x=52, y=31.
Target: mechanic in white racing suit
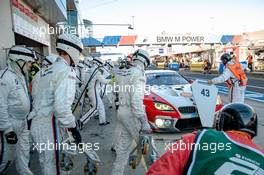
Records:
x=85, y=71
x=107, y=90
x=80, y=75
x=15, y=107
x=131, y=112
x=47, y=61
x=235, y=78
x=123, y=64
x=94, y=78
x=52, y=104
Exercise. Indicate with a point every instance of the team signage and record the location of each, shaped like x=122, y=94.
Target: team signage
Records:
x=28, y=24
x=180, y=39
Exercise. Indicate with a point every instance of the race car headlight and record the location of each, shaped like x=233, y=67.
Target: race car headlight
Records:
x=163, y=123
x=159, y=122
x=162, y=106
x=167, y=123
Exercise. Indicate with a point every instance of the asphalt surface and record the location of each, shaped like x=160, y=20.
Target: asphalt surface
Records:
x=103, y=135
x=255, y=82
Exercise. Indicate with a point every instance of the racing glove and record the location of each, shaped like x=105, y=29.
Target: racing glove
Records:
x=112, y=80
x=145, y=127
x=76, y=135
x=11, y=137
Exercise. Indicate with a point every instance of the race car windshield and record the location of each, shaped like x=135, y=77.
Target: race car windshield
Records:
x=165, y=79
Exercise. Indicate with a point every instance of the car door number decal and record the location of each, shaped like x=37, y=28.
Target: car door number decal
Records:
x=205, y=92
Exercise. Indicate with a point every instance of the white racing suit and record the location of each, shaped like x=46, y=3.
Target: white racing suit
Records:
x=131, y=112
x=51, y=111
x=114, y=98
x=105, y=73
x=35, y=83
x=84, y=73
x=95, y=77
x=236, y=93
x=14, y=108
x=107, y=90
x=80, y=75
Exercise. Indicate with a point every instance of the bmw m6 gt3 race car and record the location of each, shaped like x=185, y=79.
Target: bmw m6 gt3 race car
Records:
x=170, y=106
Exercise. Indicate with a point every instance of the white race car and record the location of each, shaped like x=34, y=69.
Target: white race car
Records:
x=169, y=103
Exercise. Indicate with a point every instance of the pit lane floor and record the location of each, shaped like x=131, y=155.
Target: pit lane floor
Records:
x=103, y=135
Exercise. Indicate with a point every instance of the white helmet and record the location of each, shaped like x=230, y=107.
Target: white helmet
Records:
x=80, y=64
x=143, y=56
x=119, y=60
x=89, y=58
x=18, y=56
x=88, y=61
x=109, y=63
x=22, y=53
x=71, y=44
x=98, y=60
x=49, y=60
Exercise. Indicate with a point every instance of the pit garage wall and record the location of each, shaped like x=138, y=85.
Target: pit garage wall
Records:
x=30, y=29
x=17, y=28
x=7, y=38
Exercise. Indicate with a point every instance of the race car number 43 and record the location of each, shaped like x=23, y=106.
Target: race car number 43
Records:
x=205, y=92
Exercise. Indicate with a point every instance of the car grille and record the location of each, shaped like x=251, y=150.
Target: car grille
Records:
x=187, y=109
x=188, y=124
